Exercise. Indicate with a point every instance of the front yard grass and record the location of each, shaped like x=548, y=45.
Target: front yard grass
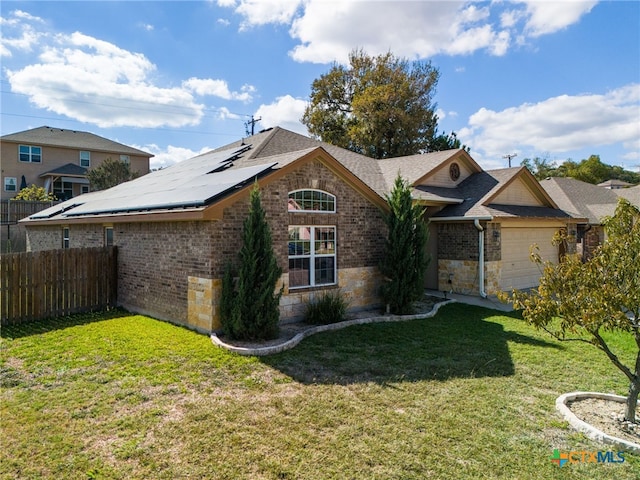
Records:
x=468, y=394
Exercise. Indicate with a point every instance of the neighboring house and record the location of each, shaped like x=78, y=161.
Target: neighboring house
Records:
x=615, y=184
x=58, y=160
x=176, y=229
x=590, y=202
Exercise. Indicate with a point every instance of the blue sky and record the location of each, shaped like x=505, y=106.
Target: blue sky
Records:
x=552, y=79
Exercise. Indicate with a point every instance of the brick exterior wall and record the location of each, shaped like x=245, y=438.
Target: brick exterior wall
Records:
x=170, y=270
x=459, y=241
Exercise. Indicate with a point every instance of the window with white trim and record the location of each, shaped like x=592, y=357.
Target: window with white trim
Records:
x=10, y=184
x=65, y=237
x=84, y=188
x=125, y=159
x=312, y=256
x=29, y=153
x=85, y=159
x=311, y=201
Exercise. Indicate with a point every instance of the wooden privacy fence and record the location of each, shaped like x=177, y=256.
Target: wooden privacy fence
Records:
x=51, y=283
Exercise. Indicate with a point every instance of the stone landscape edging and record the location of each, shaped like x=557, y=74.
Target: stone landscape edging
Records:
x=589, y=430
x=273, y=349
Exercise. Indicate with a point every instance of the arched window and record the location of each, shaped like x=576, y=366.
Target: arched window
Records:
x=311, y=201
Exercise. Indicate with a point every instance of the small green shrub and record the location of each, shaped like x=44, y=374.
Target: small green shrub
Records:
x=330, y=308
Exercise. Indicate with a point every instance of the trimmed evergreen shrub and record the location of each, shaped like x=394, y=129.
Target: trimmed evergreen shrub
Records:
x=404, y=260
x=331, y=307
x=250, y=311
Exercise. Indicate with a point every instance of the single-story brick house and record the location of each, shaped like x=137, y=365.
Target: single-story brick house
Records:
x=176, y=229
x=590, y=203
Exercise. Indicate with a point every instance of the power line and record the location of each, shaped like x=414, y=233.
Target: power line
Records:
x=141, y=128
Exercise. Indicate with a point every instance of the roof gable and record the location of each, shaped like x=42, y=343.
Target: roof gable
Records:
x=581, y=199
x=58, y=137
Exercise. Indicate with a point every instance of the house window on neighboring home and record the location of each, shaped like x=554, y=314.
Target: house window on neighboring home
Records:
x=10, y=184
x=311, y=201
x=84, y=188
x=62, y=190
x=312, y=256
x=65, y=237
x=85, y=159
x=108, y=236
x=29, y=153
x=125, y=159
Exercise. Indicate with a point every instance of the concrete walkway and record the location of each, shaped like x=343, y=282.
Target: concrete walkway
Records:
x=489, y=302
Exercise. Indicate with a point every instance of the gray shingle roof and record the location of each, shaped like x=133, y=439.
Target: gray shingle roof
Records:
x=69, y=169
x=477, y=190
x=632, y=194
x=581, y=199
x=58, y=137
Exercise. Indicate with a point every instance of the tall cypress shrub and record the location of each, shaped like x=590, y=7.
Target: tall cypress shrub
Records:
x=404, y=261
x=252, y=310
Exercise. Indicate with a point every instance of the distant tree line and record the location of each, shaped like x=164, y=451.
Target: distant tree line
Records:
x=590, y=170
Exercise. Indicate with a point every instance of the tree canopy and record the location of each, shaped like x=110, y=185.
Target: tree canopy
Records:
x=590, y=170
x=378, y=106
x=579, y=301
x=109, y=174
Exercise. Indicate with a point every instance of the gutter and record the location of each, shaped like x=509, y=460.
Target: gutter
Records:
x=476, y=223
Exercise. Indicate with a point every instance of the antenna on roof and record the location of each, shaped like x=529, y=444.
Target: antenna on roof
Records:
x=510, y=156
x=251, y=122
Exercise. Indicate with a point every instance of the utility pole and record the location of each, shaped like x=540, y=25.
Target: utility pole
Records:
x=251, y=122
x=510, y=156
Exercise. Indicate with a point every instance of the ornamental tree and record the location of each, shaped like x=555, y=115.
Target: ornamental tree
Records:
x=578, y=301
x=250, y=310
x=404, y=260
x=34, y=193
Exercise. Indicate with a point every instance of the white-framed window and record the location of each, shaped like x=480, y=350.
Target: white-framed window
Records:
x=84, y=188
x=125, y=159
x=63, y=190
x=108, y=236
x=312, y=256
x=10, y=184
x=309, y=200
x=65, y=237
x=30, y=153
x=85, y=159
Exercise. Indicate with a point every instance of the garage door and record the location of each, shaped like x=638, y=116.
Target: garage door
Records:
x=518, y=271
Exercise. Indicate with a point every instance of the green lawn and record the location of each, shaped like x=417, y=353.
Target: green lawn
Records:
x=468, y=394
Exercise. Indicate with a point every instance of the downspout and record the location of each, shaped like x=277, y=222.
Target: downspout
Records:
x=476, y=223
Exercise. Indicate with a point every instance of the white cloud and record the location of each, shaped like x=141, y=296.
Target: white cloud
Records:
x=218, y=88
x=166, y=157
x=285, y=112
x=97, y=82
x=17, y=34
x=261, y=12
x=549, y=17
x=328, y=31
x=223, y=21
x=558, y=124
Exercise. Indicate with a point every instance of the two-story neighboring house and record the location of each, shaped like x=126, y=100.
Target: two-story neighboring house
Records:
x=58, y=160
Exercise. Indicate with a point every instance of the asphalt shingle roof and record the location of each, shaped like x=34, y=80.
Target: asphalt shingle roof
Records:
x=58, y=137
x=69, y=169
x=581, y=199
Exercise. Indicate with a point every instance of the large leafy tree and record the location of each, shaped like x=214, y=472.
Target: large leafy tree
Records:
x=109, y=174
x=404, y=260
x=250, y=311
x=579, y=301
x=378, y=106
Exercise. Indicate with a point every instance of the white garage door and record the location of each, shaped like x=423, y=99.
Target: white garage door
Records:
x=518, y=271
